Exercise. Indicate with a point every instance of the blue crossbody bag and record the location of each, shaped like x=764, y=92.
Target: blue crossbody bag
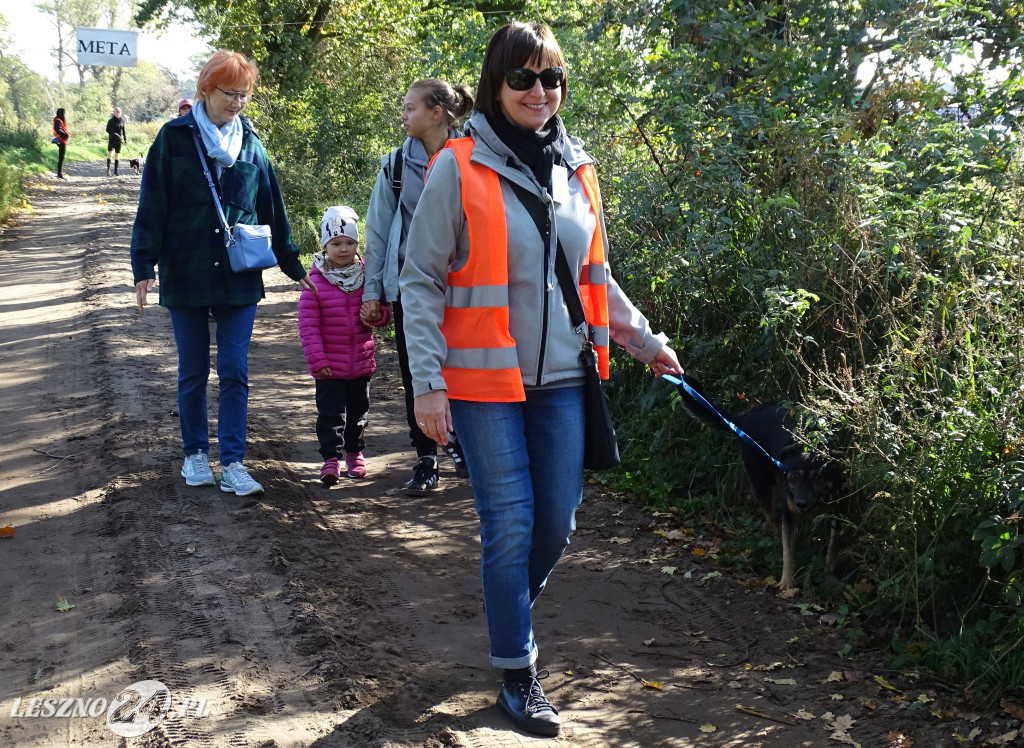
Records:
x=249, y=247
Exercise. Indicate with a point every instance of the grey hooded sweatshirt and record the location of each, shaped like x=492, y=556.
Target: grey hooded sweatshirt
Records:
x=546, y=345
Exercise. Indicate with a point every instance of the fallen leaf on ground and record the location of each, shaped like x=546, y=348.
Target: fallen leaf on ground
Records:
x=648, y=642
x=804, y=714
x=835, y=676
x=843, y=723
x=708, y=727
x=7, y=532
x=1014, y=710
x=781, y=681
x=1005, y=738
x=63, y=605
x=668, y=570
x=620, y=541
x=886, y=684
x=899, y=740
x=657, y=686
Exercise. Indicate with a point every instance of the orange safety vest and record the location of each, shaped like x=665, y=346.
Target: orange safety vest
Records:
x=482, y=364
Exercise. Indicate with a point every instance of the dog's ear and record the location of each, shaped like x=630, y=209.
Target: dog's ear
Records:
x=791, y=450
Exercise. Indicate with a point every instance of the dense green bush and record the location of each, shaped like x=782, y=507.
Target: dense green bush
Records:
x=858, y=251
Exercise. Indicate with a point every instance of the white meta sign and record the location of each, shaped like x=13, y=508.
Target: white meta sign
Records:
x=107, y=47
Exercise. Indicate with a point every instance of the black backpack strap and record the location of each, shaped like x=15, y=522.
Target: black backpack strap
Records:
x=396, y=174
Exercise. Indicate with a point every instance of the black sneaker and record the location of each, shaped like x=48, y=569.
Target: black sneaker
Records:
x=524, y=702
x=454, y=450
x=424, y=477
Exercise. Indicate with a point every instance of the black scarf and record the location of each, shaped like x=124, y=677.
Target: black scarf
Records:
x=539, y=151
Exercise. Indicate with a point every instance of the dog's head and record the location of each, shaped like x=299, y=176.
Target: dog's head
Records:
x=810, y=478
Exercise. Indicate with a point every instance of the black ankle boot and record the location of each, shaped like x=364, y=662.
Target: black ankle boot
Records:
x=523, y=701
x=115, y=167
x=424, y=477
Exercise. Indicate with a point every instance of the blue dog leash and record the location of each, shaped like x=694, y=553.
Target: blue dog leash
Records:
x=744, y=437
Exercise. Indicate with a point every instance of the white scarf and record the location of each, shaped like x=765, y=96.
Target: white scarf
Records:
x=223, y=144
x=348, y=278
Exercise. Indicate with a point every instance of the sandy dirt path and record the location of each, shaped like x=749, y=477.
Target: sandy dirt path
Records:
x=342, y=617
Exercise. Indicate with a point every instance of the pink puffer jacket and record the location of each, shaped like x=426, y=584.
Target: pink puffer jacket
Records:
x=331, y=332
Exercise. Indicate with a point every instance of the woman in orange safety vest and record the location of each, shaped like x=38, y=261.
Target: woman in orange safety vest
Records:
x=490, y=339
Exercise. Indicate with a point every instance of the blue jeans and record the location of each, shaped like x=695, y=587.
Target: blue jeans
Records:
x=192, y=336
x=526, y=463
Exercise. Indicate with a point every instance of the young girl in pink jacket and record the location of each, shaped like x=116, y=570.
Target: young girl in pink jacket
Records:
x=338, y=346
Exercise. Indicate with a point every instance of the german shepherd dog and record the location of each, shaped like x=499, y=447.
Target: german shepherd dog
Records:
x=809, y=479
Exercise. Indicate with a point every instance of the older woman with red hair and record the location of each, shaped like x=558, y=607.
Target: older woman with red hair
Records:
x=179, y=233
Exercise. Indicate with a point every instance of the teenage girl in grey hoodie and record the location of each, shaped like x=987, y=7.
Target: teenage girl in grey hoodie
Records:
x=429, y=112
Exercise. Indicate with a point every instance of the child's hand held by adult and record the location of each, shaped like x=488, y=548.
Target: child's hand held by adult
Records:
x=370, y=312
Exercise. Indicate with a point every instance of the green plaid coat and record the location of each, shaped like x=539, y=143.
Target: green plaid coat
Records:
x=177, y=230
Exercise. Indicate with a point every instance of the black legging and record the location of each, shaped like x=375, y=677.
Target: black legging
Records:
x=424, y=444
x=61, y=148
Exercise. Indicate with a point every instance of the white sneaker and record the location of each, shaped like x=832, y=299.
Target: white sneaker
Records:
x=234, y=479
x=196, y=471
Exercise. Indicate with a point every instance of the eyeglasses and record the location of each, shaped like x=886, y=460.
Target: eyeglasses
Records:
x=522, y=79
x=234, y=96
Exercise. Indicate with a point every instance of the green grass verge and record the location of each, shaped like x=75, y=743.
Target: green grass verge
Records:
x=27, y=152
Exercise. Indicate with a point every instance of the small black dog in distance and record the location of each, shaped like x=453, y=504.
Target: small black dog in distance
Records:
x=810, y=478
x=137, y=164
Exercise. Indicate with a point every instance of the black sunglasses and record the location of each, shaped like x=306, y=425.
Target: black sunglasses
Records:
x=522, y=79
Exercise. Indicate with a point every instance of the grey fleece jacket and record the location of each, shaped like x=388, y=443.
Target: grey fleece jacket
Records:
x=388, y=219
x=546, y=345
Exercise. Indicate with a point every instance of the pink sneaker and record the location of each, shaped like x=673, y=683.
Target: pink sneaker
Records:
x=330, y=472
x=356, y=464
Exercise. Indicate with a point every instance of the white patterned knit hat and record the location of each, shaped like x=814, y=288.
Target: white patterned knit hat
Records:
x=339, y=220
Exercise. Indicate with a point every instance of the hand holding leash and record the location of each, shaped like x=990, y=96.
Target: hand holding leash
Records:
x=666, y=363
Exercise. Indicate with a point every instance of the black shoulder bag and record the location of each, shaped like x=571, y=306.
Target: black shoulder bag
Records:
x=600, y=448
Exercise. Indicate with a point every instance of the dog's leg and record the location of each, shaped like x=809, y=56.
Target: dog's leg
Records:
x=788, y=550
x=832, y=555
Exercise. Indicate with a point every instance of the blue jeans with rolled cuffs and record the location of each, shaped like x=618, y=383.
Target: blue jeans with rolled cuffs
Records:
x=192, y=337
x=526, y=463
